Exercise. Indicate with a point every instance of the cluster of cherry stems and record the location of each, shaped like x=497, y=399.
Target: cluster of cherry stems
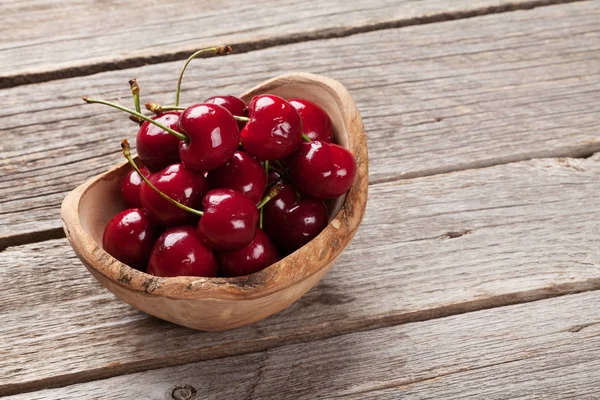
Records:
x=226, y=189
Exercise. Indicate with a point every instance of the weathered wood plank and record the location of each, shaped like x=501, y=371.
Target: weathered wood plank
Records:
x=548, y=349
x=434, y=98
x=41, y=40
x=428, y=247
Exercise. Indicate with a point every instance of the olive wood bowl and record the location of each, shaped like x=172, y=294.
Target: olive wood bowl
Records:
x=216, y=304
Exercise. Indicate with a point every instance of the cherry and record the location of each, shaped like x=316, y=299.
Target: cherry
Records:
x=180, y=251
x=213, y=137
x=315, y=121
x=273, y=177
x=322, y=170
x=130, y=188
x=274, y=129
x=291, y=221
x=258, y=255
x=234, y=105
x=129, y=237
x=179, y=183
x=243, y=174
x=229, y=221
x=156, y=147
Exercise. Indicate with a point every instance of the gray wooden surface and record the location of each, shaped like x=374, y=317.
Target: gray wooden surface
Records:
x=501, y=353
x=428, y=108
x=50, y=39
x=483, y=204
x=509, y=252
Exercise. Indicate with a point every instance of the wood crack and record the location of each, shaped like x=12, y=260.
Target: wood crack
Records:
x=244, y=47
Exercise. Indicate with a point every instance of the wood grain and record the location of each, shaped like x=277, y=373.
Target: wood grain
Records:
x=548, y=349
x=41, y=40
x=434, y=98
x=428, y=247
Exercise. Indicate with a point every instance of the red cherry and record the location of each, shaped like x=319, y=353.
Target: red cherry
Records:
x=213, y=137
x=130, y=188
x=274, y=130
x=234, y=105
x=315, y=121
x=129, y=237
x=291, y=222
x=229, y=221
x=180, y=251
x=156, y=147
x=243, y=174
x=273, y=177
x=322, y=170
x=181, y=184
x=258, y=255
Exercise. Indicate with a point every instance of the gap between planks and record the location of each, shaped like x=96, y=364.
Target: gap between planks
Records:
x=58, y=233
x=538, y=350
x=253, y=45
x=487, y=111
x=456, y=248
x=351, y=327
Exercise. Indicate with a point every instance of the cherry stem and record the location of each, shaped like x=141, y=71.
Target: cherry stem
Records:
x=306, y=138
x=157, y=108
x=219, y=50
x=127, y=153
x=137, y=114
x=135, y=91
x=260, y=220
x=275, y=189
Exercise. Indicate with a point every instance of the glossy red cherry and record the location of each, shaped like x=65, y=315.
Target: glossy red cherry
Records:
x=229, y=221
x=291, y=221
x=274, y=130
x=315, y=121
x=243, y=174
x=130, y=188
x=273, y=177
x=180, y=251
x=258, y=255
x=213, y=137
x=322, y=170
x=156, y=147
x=181, y=184
x=129, y=237
x=234, y=105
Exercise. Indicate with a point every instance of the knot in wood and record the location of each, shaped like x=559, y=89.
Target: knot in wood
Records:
x=186, y=392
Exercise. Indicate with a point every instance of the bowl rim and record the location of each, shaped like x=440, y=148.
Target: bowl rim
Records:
x=289, y=271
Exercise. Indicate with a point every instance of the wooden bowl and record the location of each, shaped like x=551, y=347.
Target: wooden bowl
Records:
x=215, y=304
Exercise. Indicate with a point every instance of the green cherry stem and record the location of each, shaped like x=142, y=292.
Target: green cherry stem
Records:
x=127, y=153
x=306, y=138
x=241, y=119
x=260, y=220
x=157, y=108
x=275, y=189
x=135, y=91
x=137, y=114
x=219, y=50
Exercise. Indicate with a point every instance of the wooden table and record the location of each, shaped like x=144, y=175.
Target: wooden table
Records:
x=475, y=271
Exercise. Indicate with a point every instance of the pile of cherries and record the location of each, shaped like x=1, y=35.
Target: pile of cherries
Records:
x=226, y=188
